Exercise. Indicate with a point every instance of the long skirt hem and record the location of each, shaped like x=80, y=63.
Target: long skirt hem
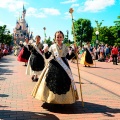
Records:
x=43, y=93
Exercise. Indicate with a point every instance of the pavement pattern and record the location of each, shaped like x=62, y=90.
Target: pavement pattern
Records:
x=100, y=90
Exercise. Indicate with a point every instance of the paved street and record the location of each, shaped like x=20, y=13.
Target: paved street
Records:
x=100, y=89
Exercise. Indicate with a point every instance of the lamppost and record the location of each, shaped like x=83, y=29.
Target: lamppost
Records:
x=44, y=34
x=67, y=35
x=97, y=41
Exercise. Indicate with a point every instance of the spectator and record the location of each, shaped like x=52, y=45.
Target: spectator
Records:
x=114, y=54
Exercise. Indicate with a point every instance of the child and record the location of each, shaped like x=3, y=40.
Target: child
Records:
x=36, y=61
x=56, y=84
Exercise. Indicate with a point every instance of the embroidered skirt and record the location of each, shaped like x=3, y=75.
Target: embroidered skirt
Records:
x=54, y=86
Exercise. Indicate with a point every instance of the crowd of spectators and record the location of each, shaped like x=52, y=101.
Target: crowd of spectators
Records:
x=5, y=50
x=105, y=53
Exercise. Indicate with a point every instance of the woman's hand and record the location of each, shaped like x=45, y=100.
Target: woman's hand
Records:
x=45, y=49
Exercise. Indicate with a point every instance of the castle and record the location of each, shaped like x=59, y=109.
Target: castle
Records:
x=21, y=29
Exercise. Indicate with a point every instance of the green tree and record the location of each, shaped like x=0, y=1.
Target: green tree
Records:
x=98, y=25
x=104, y=35
x=107, y=35
x=83, y=31
x=117, y=25
x=5, y=36
x=48, y=41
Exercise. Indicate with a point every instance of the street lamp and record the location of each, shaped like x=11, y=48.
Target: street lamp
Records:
x=67, y=35
x=97, y=33
x=44, y=34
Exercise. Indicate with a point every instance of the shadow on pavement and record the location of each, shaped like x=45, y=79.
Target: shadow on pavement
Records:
x=6, y=65
x=78, y=109
x=2, y=78
x=4, y=69
x=6, y=59
x=103, y=68
x=25, y=115
x=95, y=67
x=3, y=106
x=3, y=95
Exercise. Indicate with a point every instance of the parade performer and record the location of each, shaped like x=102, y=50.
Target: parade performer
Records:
x=36, y=61
x=72, y=47
x=24, y=53
x=86, y=58
x=56, y=84
x=16, y=48
x=20, y=46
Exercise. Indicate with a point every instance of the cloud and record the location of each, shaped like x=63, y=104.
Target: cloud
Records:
x=95, y=5
x=42, y=12
x=12, y=5
x=67, y=15
x=74, y=5
x=16, y=6
x=34, y=13
x=50, y=11
x=68, y=1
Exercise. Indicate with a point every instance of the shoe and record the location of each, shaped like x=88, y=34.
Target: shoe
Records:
x=85, y=66
x=35, y=79
x=32, y=77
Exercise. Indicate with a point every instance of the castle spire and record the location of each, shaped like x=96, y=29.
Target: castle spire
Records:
x=24, y=12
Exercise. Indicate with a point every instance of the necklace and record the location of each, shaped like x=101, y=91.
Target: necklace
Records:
x=60, y=49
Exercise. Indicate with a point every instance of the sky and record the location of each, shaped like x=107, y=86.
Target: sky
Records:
x=54, y=14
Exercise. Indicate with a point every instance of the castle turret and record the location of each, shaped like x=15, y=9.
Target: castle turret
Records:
x=21, y=28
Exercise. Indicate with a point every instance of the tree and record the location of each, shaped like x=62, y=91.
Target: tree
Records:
x=48, y=41
x=117, y=24
x=83, y=31
x=107, y=35
x=98, y=24
x=5, y=36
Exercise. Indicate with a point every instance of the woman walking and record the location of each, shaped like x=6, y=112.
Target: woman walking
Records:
x=56, y=84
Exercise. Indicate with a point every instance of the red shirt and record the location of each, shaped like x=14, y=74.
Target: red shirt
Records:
x=114, y=51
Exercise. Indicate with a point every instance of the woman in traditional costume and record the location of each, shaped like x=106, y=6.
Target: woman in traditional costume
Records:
x=86, y=58
x=16, y=48
x=20, y=46
x=56, y=84
x=24, y=53
x=36, y=61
